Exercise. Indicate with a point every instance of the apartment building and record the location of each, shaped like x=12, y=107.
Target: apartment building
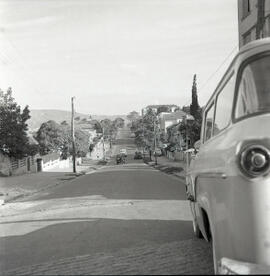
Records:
x=253, y=20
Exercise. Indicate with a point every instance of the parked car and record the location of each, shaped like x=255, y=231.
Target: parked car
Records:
x=120, y=159
x=228, y=180
x=138, y=155
x=124, y=152
x=158, y=152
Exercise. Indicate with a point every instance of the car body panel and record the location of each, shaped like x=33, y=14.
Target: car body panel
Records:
x=237, y=206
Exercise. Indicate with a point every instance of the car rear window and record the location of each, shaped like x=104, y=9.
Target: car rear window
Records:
x=254, y=88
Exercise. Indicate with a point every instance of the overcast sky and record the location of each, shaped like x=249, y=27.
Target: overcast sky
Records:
x=114, y=56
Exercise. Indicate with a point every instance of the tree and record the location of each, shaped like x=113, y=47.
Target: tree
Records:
x=81, y=143
x=132, y=116
x=64, y=123
x=97, y=126
x=91, y=147
x=53, y=137
x=191, y=129
x=107, y=127
x=13, y=127
x=145, y=131
x=194, y=107
x=163, y=108
x=119, y=122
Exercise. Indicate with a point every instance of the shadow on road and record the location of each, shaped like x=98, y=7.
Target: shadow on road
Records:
x=71, y=239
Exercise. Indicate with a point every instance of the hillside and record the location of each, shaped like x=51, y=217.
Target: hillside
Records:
x=39, y=116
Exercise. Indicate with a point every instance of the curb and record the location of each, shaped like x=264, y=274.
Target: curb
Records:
x=12, y=198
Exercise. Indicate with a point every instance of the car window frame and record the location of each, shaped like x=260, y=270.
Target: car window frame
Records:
x=255, y=57
x=230, y=77
x=211, y=104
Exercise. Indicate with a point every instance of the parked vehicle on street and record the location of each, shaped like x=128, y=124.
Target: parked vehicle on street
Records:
x=120, y=159
x=228, y=179
x=124, y=152
x=158, y=152
x=138, y=155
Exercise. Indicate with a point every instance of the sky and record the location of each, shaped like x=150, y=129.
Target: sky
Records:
x=114, y=56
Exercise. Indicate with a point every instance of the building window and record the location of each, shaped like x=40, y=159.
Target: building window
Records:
x=245, y=8
x=224, y=106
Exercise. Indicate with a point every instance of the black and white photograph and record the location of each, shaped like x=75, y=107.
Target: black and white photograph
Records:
x=134, y=137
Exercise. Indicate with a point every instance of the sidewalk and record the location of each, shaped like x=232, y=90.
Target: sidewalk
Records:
x=19, y=186
x=176, y=168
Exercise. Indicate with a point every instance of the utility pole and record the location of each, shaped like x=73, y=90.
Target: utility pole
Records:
x=73, y=135
x=103, y=143
x=155, y=142
x=143, y=135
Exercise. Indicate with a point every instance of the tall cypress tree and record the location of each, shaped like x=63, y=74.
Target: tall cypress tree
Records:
x=194, y=107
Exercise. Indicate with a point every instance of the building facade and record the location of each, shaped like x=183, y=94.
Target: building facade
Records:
x=168, y=119
x=253, y=20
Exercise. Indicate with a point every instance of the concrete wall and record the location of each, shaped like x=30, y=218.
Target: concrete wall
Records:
x=57, y=163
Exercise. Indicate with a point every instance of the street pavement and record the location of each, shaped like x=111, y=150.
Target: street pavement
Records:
x=120, y=219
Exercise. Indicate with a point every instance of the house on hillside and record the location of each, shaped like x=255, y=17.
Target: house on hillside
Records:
x=90, y=129
x=168, y=119
x=171, y=108
x=175, y=142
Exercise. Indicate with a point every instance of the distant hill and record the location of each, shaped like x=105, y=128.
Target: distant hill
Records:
x=39, y=116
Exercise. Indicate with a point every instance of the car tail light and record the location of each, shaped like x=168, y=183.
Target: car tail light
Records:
x=255, y=160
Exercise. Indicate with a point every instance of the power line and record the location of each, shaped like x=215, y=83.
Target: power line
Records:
x=218, y=68
x=223, y=62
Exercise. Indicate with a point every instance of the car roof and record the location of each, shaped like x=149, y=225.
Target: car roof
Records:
x=254, y=47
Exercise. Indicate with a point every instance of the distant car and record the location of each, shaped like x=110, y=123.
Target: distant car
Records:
x=120, y=159
x=124, y=152
x=138, y=155
x=158, y=152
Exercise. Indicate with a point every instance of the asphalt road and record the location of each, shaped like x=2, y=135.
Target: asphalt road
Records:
x=121, y=219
